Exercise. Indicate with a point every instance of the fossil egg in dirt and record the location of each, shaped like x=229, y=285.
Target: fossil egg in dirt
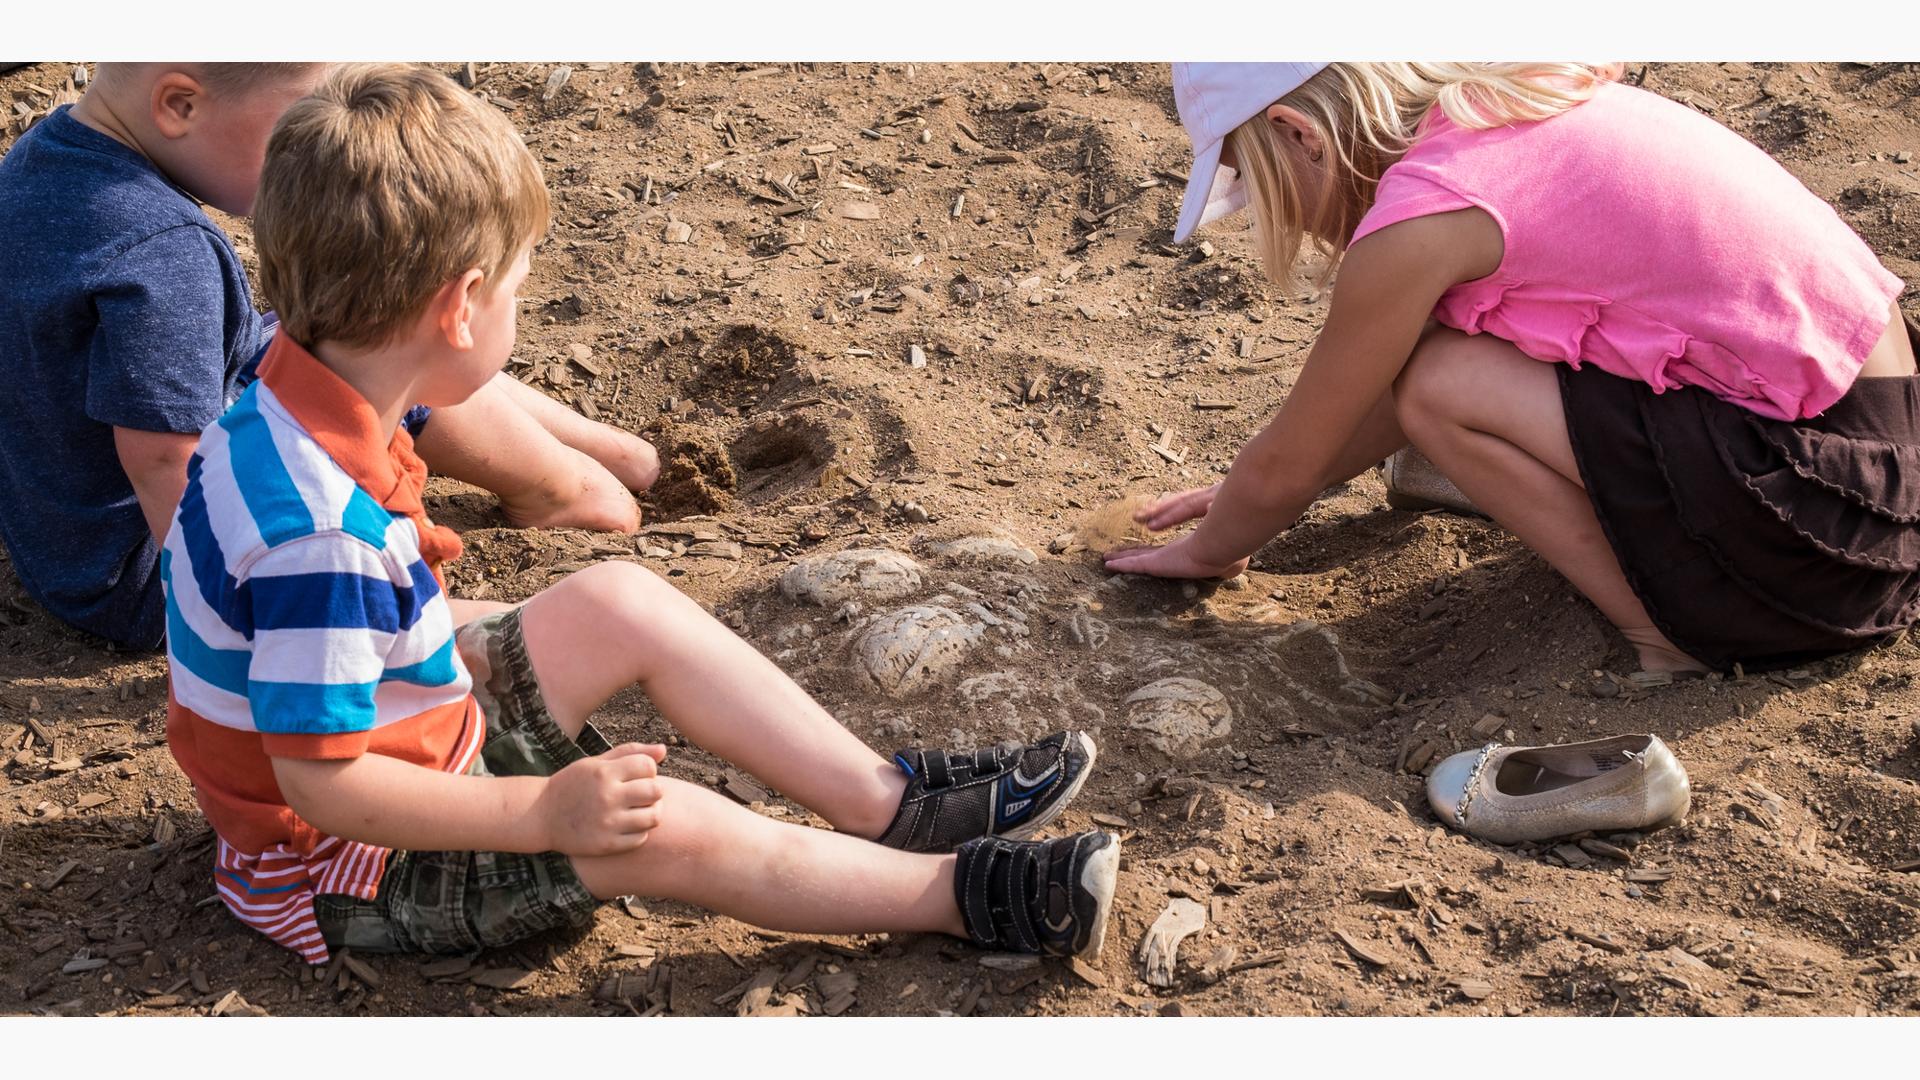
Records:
x=906, y=650
x=855, y=574
x=1179, y=716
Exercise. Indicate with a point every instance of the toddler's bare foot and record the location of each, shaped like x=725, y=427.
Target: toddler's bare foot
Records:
x=586, y=497
x=630, y=458
x=1656, y=653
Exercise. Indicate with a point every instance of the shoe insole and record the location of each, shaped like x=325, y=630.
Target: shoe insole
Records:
x=1528, y=778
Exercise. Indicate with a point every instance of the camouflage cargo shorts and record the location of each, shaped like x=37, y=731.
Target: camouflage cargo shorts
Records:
x=463, y=901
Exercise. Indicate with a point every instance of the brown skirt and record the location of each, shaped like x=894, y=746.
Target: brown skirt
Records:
x=1757, y=541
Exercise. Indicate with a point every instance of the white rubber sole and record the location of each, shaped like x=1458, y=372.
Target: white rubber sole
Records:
x=1027, y=829
x=1100, y=876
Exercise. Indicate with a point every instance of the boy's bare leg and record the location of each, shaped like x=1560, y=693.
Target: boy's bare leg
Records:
x=616, y=624
x=726, y=858
x=490, y=441
x=625, y=455
x=1490, y=417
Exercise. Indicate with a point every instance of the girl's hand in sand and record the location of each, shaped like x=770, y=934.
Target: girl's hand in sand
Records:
x=606, y=804
x=1175, y=560
x=1176, y=509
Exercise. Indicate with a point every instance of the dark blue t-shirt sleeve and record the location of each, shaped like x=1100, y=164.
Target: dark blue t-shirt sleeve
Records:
x=158, y=359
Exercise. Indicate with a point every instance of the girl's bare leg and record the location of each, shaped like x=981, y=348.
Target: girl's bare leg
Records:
x=616, y=624
x=1491, y=419
x=725, y=858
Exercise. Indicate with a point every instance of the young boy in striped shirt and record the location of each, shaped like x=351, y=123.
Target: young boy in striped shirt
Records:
x=391, y=769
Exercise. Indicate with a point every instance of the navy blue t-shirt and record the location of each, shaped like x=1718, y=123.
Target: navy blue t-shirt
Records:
x=121, y=305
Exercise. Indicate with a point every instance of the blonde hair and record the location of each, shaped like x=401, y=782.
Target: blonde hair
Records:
x=387, y=183
x=1367, y=115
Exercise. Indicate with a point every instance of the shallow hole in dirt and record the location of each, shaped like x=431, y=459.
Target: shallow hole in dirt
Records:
x=775, y=457
x=728, y=367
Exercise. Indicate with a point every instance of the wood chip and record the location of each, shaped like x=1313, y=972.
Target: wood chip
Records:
x=446, y=969
x=1599, y=941
x=741, y=789
x=1473, y=989
x=361, y=970
x=1649, y=875
x=837, y=1005
x=1009, y=961
x=1487, y=725
x=758, y=994
x=79, y=967
x=1000, y=157
x=60, y=874
x=1595, y=846
x=858, y=211
x=816, y=149
x=1363, y=952
x=510, y=978
x=1088, y=974
x=1572, y=855
x=91, y=800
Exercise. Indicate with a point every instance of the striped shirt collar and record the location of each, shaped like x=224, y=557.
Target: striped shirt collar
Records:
x=346, y=426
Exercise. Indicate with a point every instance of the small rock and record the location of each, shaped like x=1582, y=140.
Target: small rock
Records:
x=677, y=232
x=1902, y=157
x=915, y=513
x=916, y=356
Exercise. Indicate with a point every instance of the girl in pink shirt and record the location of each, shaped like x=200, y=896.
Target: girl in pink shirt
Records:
x=1625, y=332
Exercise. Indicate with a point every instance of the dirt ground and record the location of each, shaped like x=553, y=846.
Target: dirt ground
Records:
x=890, y=306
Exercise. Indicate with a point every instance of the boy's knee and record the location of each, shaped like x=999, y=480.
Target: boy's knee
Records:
x=618, y=583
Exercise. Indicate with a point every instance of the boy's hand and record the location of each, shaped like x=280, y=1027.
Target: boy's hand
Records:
x=1176, y=560
x=1176, y=509
x=603, y=805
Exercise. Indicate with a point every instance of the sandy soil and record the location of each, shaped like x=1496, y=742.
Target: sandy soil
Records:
x=1012, y=223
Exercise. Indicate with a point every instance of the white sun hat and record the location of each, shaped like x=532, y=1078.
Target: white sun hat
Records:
x=1213, y=99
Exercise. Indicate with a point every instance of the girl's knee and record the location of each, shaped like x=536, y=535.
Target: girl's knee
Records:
x=1442, y=379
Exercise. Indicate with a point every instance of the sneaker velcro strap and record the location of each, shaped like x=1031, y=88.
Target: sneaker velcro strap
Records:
x=994, y=889
x=939, y=773
x=985, y=761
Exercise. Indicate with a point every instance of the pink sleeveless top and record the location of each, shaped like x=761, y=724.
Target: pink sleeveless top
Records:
x=1656, y=244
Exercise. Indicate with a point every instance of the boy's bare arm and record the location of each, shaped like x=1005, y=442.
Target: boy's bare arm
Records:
x=597, y=806
x=156, y=464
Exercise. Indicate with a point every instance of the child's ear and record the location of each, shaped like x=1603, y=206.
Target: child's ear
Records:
x=1295, y=129
x=175, y=102
x=452, y=307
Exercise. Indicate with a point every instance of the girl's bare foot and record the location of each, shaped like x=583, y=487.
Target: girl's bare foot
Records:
x=1656, y=653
